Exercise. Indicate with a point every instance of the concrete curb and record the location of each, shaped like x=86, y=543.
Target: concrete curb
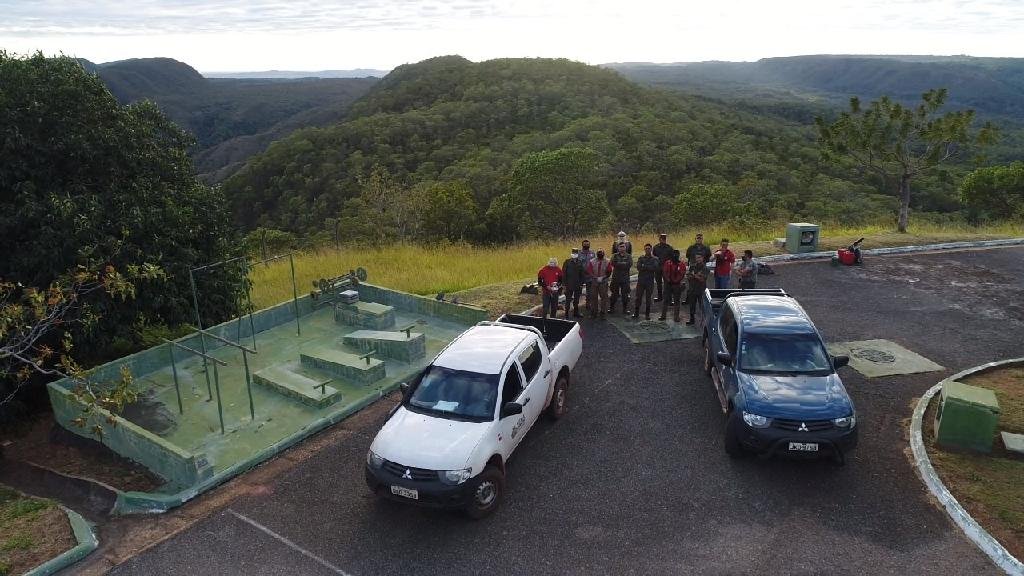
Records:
x=156, y=503
x=87, y=542
x=896, y=250
x=989, y=545
x=780, y=258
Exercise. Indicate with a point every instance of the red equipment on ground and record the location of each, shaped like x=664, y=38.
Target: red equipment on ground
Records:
x=847, y=257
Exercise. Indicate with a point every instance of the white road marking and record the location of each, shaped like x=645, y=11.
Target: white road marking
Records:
x=288, y=543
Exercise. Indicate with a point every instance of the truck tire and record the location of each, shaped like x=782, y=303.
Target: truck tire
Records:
x=485, y=497
x=709, y=364
x=732, y=438
x=559, y=397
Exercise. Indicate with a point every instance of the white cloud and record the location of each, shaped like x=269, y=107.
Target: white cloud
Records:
x=262, y=34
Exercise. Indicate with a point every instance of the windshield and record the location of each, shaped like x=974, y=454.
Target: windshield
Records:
x=799, y=353
x=456, y=394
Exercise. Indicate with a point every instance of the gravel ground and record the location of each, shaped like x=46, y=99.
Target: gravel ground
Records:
x=635, y=480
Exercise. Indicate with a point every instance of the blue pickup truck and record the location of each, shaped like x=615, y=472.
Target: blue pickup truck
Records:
x=776, y=382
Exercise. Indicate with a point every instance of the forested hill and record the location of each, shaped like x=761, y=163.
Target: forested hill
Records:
x=498, y=128
x=992, y=86
x=231, y=119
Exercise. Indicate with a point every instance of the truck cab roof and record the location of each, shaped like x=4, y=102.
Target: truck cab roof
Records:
x=482, y=349
x=770, y=314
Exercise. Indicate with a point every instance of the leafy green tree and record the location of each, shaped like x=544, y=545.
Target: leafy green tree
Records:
x=704, y=203
x=899, y=143
x=557, y=189
x=995, y=192
x=86, y=182
x=448, y=210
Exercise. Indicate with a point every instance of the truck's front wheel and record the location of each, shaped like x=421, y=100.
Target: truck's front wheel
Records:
x=559, y=396
x=488, y=489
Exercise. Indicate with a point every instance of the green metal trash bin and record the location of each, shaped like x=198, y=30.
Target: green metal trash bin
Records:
x=967, y=417
x=802, y=237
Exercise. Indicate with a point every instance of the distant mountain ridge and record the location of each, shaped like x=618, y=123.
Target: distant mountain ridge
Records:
x=290, y=74
x=231, y=118
x=992, y=86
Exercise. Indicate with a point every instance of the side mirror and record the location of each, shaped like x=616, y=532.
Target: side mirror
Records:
x=405, y=388
x=511, y=409
x=840, y=361
x=724, y=358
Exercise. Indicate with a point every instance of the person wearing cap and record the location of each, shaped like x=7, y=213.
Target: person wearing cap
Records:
x=599, y=269
x=646, y=266
x=621, y=239
x=663, y=250
x=622, y=264
x=574, y=273
x=550, y=280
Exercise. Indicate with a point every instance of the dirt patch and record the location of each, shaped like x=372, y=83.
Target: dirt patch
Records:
x=498, y=299
x=988, y=486
x=45, y=443
x=32, y=531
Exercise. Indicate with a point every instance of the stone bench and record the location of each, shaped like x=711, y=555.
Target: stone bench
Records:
x=365, y=315
x=309, y=391
x=397, y=345
x=353, y=368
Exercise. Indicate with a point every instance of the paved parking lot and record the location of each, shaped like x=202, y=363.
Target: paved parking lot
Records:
x=635, y=480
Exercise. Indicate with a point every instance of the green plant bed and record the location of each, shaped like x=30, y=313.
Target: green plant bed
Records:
x=32, y=531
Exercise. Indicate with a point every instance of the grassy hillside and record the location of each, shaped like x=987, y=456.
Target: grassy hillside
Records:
x=448, y=119
x=231, y=119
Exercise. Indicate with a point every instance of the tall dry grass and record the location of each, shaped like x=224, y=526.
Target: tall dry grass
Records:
x=442, y=267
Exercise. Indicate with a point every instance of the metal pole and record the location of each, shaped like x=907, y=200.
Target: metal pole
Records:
x=248, y=384
x=174, y=371
x=220, y=407
x=248, y=302
x=263, y=244
x=295, y=295
x=202, y=339
x=337, y=234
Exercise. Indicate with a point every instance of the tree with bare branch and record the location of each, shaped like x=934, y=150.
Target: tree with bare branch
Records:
x=898, y=143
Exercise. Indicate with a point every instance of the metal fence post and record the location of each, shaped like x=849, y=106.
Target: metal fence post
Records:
x=174, y=371
x=295, y=295
x=220, y=407
x=248, y=385
x=202, y=339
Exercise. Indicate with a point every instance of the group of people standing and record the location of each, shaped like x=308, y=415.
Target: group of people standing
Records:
x=605, y=281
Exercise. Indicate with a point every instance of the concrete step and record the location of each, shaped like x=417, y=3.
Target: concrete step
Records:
x=351, y=367
x=395, y=345
x=309, y=391
x=366, y=315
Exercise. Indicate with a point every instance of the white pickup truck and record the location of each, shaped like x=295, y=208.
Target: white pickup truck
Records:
x=448, y=443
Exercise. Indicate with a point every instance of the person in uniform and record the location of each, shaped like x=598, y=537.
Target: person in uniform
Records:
x=698, y=247
x=663, y=251
x=573, y=274
x=674, y=272
x=696, y=281
x=622, y=265
x=586, y=256
x=646, y=267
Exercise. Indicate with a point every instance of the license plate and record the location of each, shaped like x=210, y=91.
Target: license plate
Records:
x=803, y=446
x=415, y=494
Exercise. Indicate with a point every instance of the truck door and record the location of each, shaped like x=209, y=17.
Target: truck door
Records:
x=512, y=428
x=724, y=376
x=537, y=371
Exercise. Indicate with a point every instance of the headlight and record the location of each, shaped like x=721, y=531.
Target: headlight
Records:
x=453, y=477
x=373, y=460
x=846, y=421
x=755, y=420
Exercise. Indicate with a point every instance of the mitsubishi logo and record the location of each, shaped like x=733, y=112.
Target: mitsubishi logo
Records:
x=408, y=473
x=802, y=428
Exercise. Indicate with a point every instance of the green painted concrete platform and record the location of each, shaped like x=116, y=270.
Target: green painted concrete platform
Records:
x=277, y=416
x=288, y=380
x=344, y=365
x=398, y=345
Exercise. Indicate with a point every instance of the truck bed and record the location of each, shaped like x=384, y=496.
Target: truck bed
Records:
x=553, y=329
x=714, y=297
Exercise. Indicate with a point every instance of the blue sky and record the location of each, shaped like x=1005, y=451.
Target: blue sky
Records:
x=237, y=35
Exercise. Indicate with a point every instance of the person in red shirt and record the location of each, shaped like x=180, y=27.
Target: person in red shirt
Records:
x=724, y=259
x=550, y=280
x=673, y=271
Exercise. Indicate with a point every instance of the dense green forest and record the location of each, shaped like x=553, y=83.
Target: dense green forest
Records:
x=655, y=158
x=231, y=119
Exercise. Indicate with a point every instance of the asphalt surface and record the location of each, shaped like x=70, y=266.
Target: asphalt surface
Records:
x=635, y=479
